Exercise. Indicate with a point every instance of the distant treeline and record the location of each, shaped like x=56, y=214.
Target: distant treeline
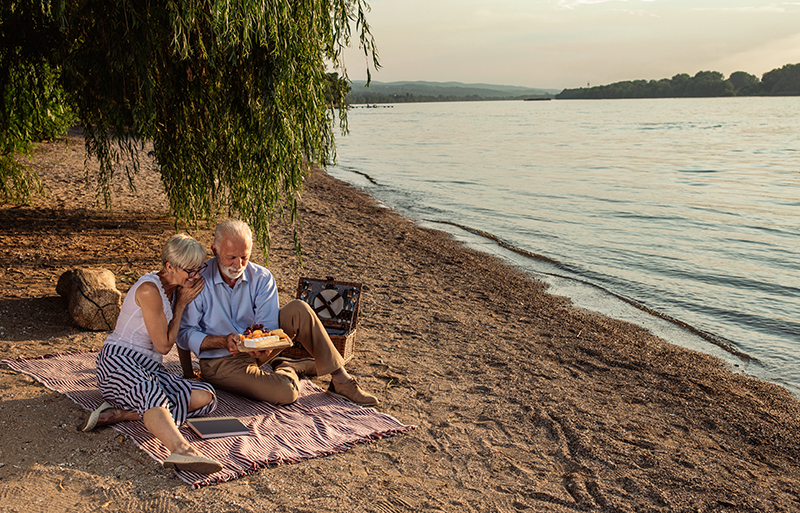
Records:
x=783, y=81
x=355, y=98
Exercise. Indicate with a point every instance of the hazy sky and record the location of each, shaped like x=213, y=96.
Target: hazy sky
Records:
x=568, y=43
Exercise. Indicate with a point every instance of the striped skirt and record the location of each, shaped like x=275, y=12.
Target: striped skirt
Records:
x=134, y=382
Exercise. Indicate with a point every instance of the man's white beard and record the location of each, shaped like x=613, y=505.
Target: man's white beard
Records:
x=233, y=273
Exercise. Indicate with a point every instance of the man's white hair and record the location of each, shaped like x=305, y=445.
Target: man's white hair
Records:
x=232, y=229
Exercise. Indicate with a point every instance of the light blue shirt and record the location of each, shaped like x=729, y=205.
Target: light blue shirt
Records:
x=222, y=310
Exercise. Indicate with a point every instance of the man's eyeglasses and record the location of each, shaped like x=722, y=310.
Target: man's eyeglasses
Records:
x=194, y=272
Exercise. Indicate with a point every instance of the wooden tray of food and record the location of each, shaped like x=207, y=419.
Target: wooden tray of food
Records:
x=255, y=339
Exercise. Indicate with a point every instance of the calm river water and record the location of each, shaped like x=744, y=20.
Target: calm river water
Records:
x=680, y=209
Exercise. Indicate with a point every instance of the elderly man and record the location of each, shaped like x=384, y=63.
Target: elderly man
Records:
x=239, y=293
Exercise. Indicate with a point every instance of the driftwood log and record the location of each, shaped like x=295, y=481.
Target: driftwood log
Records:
x=92, y=296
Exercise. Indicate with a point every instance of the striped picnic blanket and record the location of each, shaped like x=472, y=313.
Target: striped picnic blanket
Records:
x=318, y=424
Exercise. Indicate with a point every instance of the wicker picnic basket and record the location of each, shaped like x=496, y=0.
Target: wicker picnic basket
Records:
x=336, y=303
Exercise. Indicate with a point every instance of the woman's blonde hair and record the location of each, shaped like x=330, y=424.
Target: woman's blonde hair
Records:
x=184, y=252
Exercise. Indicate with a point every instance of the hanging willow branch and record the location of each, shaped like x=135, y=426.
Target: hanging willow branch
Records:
x=232, y=94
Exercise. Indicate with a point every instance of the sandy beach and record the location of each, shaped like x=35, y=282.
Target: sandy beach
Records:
x=521, y=401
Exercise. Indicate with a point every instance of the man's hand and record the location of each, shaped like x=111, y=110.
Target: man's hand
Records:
x=257, y=354
x=232, y=343
x=264, y=356
x=228, y=342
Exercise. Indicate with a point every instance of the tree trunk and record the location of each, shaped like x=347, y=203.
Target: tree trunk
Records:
x=93, y=299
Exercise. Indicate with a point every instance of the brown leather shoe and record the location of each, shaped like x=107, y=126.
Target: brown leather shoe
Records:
x=304, y=367
x=350, y=391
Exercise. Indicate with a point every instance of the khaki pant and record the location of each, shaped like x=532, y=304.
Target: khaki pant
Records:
x=241, y=374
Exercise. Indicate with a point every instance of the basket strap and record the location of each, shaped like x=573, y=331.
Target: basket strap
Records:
x=326, y=304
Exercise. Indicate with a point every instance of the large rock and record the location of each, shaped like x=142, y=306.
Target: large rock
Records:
x=93, y=299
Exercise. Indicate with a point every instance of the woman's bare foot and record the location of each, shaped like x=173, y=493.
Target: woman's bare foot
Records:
x=105, y=415
x=114, y=415
x=188, y=450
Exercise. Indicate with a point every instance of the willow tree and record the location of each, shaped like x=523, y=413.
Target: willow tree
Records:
x=232, y=94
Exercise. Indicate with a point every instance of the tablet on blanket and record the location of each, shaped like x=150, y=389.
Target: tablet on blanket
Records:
x=215, y=427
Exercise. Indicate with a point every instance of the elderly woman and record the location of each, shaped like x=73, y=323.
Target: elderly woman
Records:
x=130, y=374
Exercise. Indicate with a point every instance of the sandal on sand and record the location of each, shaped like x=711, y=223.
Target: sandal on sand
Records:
x=91, y=422
x=199, y=464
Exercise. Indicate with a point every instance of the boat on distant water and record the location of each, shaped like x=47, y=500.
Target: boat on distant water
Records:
x=369, y=106
x=538, y=99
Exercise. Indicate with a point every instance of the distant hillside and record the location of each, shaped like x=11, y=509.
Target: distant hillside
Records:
x=784, y=81
x=420, y=91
